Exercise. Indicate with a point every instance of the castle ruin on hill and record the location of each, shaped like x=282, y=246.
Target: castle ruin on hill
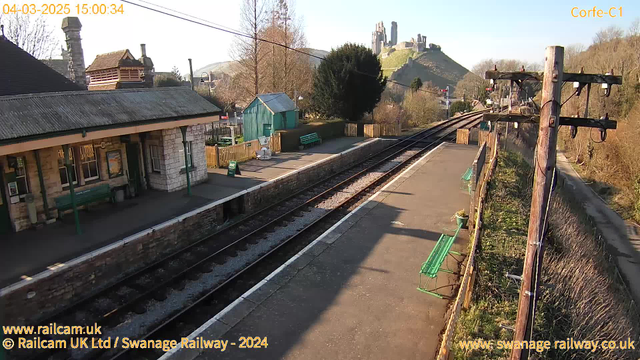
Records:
x=379, y=41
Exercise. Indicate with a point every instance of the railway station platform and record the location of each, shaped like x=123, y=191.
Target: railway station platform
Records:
x=352, y=292
x=29, y=252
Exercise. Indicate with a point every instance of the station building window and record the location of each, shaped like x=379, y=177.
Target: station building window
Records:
x=189, y=156
x=156, y=157
x=21, y=175
x=64, y=178
x=88, y=162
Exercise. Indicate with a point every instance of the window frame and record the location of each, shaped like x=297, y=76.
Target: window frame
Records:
x=83, y=163
x=155, y=154
x=24, y=176
x=72, y=158
x=189, y=154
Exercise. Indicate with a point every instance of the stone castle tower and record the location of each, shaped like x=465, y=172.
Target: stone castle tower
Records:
x=379, y=37
x=394, y=34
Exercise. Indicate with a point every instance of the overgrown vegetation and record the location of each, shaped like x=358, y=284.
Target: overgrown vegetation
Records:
x=412, y=107
x=612, y=167
x=460, y=106
x=502, y=247
x=584, y=299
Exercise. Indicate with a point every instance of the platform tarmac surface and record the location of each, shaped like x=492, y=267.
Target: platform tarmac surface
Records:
x=352, y=295
x=30, y=251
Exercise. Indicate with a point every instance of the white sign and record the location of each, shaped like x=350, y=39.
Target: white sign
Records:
x=264, y=141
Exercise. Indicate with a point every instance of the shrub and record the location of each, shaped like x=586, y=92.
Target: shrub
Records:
x=460, y=106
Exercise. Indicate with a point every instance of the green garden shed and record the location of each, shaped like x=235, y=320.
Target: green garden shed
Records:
x=268, y=113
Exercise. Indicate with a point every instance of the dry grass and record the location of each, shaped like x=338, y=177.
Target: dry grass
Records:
x=588, y=300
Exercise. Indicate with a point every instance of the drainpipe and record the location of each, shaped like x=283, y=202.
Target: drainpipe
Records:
x=183, y=129
x=43, y=188
x=72, y=193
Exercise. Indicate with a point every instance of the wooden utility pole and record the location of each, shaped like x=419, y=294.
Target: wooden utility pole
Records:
x=545, y=159
x=544, y=166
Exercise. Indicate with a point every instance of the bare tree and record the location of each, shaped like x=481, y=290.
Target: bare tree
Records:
x=247, y=51
x=32, y=34
x=611, y=33
x=471, y=86
x=634, y=28
x=289, y=71
x=226, y=92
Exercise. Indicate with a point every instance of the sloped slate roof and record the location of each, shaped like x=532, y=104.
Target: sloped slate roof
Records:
x=113, y=60
x=21, y=73
x=45, y=115
x=277, y=102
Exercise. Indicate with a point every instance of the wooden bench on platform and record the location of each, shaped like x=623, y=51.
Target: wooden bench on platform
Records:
x=83, y=197
x=434, y=262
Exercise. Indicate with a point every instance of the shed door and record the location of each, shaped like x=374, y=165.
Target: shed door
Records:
x=5, y=221
x=266, y=130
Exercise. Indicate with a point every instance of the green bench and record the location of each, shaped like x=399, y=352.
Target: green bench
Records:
x=466, y=179
x=434, y=262
x=83, y=197
x=310, y=139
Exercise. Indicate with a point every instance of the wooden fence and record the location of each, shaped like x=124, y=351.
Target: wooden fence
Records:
x=378, y=130
x=390, y=130
x=462, y=136
x=350, y=129
x=221, y=156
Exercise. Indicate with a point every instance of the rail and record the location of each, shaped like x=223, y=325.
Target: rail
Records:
x=396, y=149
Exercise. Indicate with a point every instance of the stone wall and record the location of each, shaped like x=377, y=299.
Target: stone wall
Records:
x=171, y=176
x=54, y=289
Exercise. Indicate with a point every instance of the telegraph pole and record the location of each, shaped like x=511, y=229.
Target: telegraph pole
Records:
x=544, y=166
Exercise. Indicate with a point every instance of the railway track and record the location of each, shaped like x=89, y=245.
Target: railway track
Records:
x=173, y=296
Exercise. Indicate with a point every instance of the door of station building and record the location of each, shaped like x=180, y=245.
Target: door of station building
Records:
x=5, y=221
x=133, y=162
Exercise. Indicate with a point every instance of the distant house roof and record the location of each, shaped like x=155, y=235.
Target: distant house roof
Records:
x=26, y=117
x=120, y=58
x=276, y=102
x=21, y=73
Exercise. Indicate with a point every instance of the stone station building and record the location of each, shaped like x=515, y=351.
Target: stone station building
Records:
x=127, y=139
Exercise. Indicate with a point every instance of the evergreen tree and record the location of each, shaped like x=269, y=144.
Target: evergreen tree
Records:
x=416, y=84
x=348, y=83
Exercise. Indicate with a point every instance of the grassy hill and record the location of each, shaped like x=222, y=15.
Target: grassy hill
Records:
x=429, y=65
x=395, y=60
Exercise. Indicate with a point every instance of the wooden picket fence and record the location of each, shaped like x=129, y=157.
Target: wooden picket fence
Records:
x=221, y=156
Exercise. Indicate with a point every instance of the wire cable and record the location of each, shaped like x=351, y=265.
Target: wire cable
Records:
x=228, y=30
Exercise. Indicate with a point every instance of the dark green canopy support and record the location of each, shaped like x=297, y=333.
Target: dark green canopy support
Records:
x=72, y=193
x=183, y=129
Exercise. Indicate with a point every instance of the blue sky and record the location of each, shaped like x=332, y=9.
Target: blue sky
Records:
x=468, y=31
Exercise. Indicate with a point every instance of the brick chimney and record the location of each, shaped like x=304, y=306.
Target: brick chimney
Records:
x=71, y=27
x=149, y=71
